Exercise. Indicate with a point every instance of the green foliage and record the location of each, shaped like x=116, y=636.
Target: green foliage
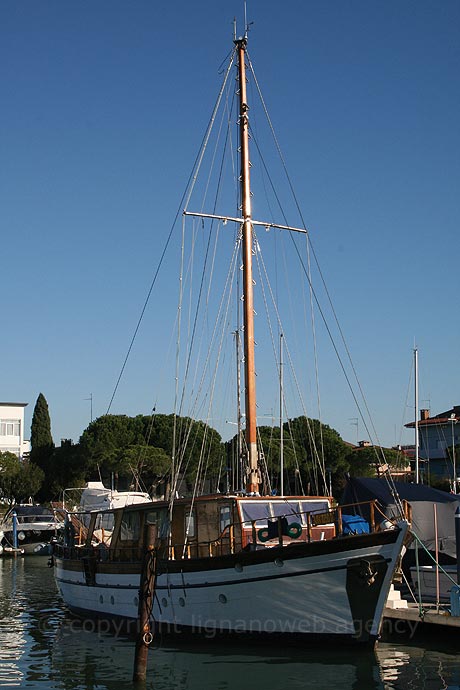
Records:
x=41, y=441
x=29, y=481
x=308, y=444
x=66, y=469
x=40, y=433
x=18, y=480
x=9, y=469
x=141, y=448
x=319, y=444
x=363, y=461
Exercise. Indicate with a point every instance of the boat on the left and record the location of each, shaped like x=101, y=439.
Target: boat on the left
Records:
x=28, y=529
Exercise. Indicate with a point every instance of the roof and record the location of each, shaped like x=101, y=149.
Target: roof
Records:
x=442, y=418
x=13, y=404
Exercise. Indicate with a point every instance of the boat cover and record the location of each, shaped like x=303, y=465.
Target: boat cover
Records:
x=422, y=499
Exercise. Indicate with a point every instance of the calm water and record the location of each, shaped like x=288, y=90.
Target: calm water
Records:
x=41, y=647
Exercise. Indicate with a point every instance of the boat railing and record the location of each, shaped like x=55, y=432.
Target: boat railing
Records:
x=313, y=526
x=248, y=534
x=100, y=553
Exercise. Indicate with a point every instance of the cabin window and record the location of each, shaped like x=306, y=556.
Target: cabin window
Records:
x=105, y=521
x=225, y=517
x=130, y=524
x=161, y=520
x=190, y=524
x=258, y=511
x=314, y=507
x=290, y=510
x=103, y=527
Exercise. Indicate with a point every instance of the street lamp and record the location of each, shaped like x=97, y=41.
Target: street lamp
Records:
x=453, y=420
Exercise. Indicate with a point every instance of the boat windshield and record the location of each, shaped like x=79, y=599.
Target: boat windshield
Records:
x=256, y=510
x=30, y=513
x=293, y=510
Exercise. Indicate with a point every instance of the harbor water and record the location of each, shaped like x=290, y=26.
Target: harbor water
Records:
x=42, y=647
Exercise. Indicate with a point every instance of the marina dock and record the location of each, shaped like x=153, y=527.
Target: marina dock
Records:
x=431, y=615
x=400, y=613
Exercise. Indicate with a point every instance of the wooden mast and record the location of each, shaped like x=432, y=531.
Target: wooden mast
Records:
x=248, y=304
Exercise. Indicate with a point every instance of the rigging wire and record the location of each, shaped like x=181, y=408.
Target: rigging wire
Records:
x=185, y=196
x=380, y=455
x=260, y=262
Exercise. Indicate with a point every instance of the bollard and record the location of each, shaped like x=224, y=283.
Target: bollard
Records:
x=457, y=542
x=15, y=530
x=455, y=601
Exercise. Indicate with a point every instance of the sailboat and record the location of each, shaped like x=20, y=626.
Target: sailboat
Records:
x=237, y=563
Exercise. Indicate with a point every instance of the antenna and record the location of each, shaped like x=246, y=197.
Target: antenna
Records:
x=246, y=25
x=91, y=405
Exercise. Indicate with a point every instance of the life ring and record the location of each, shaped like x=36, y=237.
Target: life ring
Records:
x=263, y=535
x=295, y=530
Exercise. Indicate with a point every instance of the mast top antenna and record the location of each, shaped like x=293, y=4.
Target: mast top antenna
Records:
x=244, y=37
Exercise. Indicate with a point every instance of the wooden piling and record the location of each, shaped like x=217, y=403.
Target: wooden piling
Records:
x=146, y=598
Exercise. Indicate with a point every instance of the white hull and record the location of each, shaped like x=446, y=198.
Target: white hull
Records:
x=307, y=595
x=425, y=582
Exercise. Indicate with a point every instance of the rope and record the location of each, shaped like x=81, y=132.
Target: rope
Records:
x=419, y=541
x=259, y=258
x=179, y=406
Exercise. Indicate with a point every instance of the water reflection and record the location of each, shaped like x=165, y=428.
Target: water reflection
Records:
x=405, y=667
x=41, y=647
x=101, y=661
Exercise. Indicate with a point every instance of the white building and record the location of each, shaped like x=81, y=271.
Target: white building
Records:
x=12, y=429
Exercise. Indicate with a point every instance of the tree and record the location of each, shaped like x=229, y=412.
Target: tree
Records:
x=320, y=445
x=363, y=462
x=141, y=448
x=18, y=480
x=67, y=470
x=42, y=446
x=28, y=481
x=41, y=441
x=9, y=469
x=308, y=445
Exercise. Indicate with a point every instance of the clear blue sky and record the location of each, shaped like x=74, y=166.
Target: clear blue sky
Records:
x=103, y=105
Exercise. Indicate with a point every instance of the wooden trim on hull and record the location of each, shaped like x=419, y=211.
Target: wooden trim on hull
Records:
x=292, y=551
x=244, y=558
x=219, y=583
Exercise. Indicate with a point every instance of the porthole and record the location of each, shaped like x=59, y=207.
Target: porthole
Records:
x=112, y=600
x=136, y=601
x=101, y=599
x=222, y=598
x=279, y=562
x=164, y=602
x=181, y=601
x=238, y=567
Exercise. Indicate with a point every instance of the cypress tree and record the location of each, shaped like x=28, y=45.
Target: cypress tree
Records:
x=41, y=441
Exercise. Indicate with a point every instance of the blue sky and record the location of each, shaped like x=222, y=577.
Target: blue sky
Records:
x=103, y=107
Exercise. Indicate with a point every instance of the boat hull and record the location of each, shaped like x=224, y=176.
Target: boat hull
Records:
x=335, y=588
x=426, y=578
x=34, y=542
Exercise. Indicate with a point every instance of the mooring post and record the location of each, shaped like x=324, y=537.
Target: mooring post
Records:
x=457, y=541
x=15, y=531
x=146, y=596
